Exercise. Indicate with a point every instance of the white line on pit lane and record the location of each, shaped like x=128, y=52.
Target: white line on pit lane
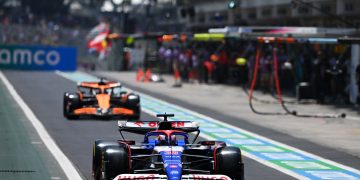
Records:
x=68, y=168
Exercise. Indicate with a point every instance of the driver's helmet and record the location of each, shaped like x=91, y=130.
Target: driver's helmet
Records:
x=161, y=140
x=173, y=140
x=96, y=91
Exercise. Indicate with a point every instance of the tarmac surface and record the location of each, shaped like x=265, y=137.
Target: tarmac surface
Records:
x=43, y=92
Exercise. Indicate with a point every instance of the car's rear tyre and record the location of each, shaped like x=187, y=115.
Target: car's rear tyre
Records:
x=134, y=104
x=69, y=104
x=229, y=163
x=137, y=112
x=98, y=149
x=115, y=162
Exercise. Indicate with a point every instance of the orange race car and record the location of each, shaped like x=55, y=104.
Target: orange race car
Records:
x=101, y=99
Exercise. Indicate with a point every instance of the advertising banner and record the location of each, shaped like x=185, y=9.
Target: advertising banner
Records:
x=38, y=58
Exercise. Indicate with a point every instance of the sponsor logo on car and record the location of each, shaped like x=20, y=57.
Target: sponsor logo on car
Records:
x=171, y=152
x=131, y=176
x=174, y=172
x=173, y=166
x=201, y=177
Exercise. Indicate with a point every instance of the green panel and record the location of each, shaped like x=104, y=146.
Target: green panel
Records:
x=307, y=165
x=19, y=158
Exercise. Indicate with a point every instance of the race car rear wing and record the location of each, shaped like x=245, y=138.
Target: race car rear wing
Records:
x=143, y=127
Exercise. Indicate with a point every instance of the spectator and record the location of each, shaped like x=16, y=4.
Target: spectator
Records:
x=318, y=76
x=222, y=68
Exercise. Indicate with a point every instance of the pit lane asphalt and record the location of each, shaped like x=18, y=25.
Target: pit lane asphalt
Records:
x=43, y=92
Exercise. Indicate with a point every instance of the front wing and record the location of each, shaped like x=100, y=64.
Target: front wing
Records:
x=160, y=177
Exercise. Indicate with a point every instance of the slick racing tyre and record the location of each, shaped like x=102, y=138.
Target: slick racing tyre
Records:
x=69, y=104
x=115, y=162
x=229, y=163
x=136, y=115
x=98, y=149
x=134, y=104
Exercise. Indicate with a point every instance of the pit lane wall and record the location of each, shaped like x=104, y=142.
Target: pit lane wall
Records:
x=26, y=57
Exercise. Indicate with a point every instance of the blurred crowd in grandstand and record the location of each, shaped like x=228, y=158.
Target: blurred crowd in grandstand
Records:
x=20, y=26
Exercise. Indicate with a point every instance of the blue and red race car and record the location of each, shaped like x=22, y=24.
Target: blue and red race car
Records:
x=165, y=153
